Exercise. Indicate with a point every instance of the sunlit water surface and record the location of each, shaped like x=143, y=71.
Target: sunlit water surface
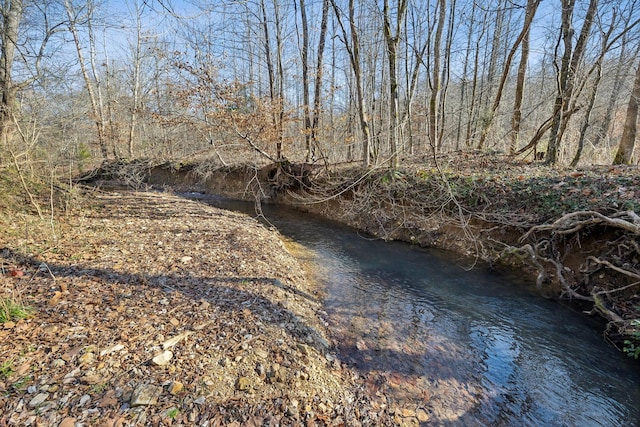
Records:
x=458, y=346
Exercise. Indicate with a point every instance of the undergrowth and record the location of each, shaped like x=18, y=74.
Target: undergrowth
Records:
x=12, y=310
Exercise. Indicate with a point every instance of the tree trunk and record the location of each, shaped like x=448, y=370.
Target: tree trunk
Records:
x=98, y=115
x=624, y=154
x=464, y=82
x=435, y=79
x=12, y=16
x=280, y=101
x=353, y=48
x=317, y=91
x=392, y=39
x=135, y=92
x=271, y=72
x=306, y=105
x=567, y=73
x=618, y=81
x=532, y=6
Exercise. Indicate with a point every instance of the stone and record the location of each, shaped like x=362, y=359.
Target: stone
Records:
x=261, y=353
x=91, y=378
x=112, y=349
x=84, y=400
x=175, y=387
x=422, y=415
x=303, y=349
x=243, y=384
x=162, y=358
x=58, y=363
x=38, y=400
x=200, y=400
x=67, y=422
x=87, y=358
x=276, y=374
x=145, y=395
x=408, y=412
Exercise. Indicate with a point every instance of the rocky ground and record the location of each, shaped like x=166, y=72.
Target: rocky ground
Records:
x=149, y=309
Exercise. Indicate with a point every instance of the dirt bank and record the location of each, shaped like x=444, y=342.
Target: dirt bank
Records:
x=149, y=309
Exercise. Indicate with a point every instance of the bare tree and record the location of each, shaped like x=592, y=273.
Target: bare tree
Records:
x=532, y=6
x=136, y=48
x=566, y=72
x=392, y=38
x=304, y=53
x=13, y=45
x=351, y=40
x=317, y=92
x=79, y=16
x=624, y=155
x=434, y=82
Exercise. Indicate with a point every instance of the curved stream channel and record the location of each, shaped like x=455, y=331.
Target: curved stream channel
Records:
x=447, y=346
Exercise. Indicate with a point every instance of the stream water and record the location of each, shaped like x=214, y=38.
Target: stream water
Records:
x=450, y=346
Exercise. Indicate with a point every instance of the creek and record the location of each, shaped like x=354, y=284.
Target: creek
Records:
x=448, y=345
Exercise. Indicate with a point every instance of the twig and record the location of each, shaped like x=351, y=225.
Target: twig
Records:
x=614, y=267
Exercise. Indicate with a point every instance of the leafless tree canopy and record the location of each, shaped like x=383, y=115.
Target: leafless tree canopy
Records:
x=84, y=81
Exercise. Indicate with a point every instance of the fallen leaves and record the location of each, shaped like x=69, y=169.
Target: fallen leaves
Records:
x=126, y=329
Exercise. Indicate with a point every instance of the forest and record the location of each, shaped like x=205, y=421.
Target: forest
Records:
x=330, y=81
x=497, y=135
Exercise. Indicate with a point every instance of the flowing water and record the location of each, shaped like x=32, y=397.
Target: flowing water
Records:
x=450, y=346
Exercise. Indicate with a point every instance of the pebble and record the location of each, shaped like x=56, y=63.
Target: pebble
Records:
x=145, y=395
x=262, y=353
x=84, y=400
x=68, y=422
x=200, y=400
x=58, y=363
x=422, y=415
x=175, y=387
x=303, y=349
x=87, y=358
x=243, y=384
x=162, y=358
x=38, y=399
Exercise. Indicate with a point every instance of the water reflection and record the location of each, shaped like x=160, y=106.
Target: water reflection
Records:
x=456, y=347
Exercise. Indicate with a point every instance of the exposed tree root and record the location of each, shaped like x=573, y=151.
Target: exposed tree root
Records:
x=608, y=276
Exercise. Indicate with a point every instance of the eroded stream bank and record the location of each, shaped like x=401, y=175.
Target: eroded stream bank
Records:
x=447, y=346
x=574, y=233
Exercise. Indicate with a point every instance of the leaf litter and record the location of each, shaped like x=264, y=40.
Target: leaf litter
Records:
x=151, y=309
